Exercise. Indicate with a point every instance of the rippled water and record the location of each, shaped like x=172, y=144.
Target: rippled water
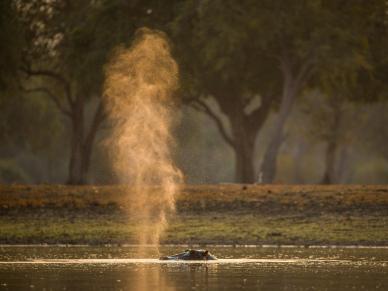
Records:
x=120, y=268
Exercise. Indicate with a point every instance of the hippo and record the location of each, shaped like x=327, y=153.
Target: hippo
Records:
x=190, y=255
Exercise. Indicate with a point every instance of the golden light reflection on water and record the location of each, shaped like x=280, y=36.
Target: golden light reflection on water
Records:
x=243, y=261
x=142, y=275
x=121, y=268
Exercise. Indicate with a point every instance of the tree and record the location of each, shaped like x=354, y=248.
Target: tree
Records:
x=357, y=78
x=331, y=40
x=68, y=62
x=329, y=118
x=20, y=115
x=220, y=61
x=68, y=43
x=11, y=46
x=241, y=51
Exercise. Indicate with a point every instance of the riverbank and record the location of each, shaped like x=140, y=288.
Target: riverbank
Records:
x=206, y=214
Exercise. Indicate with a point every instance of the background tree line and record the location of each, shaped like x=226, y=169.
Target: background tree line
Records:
x=273, y=91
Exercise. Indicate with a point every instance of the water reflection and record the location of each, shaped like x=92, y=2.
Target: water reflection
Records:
x=294, y=270
x=169, y=277
x=148, y=279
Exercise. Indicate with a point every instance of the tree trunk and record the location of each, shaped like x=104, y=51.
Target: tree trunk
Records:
x=291, y=86
x=243, y=131
x=79, y=163
x=329, y=173
x=341, y=165
x=244, y=151
x=76, y=150
x=244, y=135
x=82, y=146
x=268, y=168
x=298, y=168
x=328, y=176
x=74, y=174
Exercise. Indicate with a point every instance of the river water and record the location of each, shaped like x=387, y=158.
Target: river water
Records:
x=239, y=268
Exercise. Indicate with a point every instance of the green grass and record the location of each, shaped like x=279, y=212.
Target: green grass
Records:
x=256, y=229
x=206, y=214
x=218, y=228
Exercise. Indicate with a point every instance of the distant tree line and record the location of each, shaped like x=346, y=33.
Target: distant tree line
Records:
x=251, y=58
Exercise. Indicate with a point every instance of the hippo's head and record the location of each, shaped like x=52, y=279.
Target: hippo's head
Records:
x=192, y=255
x=197, y=254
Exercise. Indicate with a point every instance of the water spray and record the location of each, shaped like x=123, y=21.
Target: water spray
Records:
x=139, y=89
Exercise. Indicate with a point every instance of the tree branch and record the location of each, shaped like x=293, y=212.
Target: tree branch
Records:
x=260, y=114
x=204, y=107
x=305, y=71
x=99, y=117
x=52, y=96
x=53, y=75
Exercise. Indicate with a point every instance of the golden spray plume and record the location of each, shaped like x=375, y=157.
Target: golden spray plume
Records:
x=140, y=83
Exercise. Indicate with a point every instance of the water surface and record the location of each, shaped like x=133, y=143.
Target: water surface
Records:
x=123, y=268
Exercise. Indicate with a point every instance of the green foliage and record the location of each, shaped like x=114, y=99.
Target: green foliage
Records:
x=235, y=46
x=218, y=51
x=11, y=46
x=227, y=49
x=375, y=87
x=77, y=37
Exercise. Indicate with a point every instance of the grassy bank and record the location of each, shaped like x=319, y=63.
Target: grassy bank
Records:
x=225, y=214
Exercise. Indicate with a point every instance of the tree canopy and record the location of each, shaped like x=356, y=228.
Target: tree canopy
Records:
x=241, y=62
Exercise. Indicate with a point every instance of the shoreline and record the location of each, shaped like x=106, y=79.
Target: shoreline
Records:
x=269, y=246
